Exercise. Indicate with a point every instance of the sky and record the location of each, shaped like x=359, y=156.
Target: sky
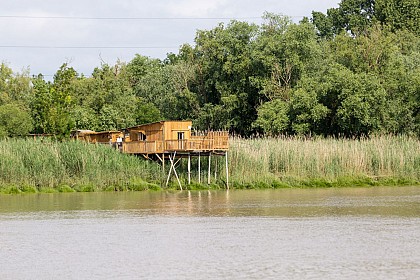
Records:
x=41, y=35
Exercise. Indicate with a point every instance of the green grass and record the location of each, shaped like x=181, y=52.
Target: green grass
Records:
x=30, y=166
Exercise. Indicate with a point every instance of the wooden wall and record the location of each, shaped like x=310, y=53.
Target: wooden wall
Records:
x=105, y=137
x=161, y=131
x=173, y=127
x=153, y=132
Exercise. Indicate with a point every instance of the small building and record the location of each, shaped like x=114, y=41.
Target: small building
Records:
x=106, y=137
x=103, y=137
x=81, y=134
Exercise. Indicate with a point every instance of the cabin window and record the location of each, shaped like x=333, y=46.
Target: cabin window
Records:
x=181, y=136
x=142, y=136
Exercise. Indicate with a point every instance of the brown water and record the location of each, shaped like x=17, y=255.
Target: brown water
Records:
x=357, y=233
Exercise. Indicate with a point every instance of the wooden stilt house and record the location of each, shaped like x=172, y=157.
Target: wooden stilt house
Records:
x=174, y=140
x=171, y=136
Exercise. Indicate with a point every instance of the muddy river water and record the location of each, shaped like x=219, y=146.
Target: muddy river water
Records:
x=349, y=233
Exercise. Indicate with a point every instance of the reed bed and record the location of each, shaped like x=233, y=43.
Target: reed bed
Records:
x=325, y=162
x=46, y=165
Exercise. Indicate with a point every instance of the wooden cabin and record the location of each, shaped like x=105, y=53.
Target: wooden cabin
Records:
x=106, y=137
x=103, y=137
x=171, y=136
x=81, y=134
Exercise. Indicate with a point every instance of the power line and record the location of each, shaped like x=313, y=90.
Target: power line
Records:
x=88, y=47
x=125, y=18
x=132, y=18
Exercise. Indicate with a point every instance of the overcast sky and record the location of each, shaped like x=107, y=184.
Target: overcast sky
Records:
x=33, y=35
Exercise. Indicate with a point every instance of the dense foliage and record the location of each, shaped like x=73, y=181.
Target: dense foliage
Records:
x=353, y=71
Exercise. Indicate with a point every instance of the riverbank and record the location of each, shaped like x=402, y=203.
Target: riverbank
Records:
x=32, y=166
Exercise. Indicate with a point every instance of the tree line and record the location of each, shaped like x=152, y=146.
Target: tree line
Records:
x=350, y=72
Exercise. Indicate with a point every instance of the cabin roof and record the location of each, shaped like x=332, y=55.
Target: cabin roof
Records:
x=147, y=124
x=108, y=132
x=83, y=130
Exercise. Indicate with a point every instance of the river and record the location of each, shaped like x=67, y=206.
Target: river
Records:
x=348, y=233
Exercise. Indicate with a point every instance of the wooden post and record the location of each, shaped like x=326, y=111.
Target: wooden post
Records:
x=162, y=160
x=163, y=166
x=209, y=173
x=199, y=168
x=215, y=168
x=170, y=171
x=227, y=171
x=189, y=169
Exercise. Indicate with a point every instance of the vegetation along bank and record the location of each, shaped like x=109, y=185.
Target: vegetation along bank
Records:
x=52, y=166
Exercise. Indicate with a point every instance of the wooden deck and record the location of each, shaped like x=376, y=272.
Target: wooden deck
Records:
x=209, y=143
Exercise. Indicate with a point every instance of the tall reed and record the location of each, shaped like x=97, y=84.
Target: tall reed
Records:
x=253, y=163
x=76, y=164
x=294, y=161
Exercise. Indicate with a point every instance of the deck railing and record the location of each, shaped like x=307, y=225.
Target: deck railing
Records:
x=143, y=147
x=196, y=143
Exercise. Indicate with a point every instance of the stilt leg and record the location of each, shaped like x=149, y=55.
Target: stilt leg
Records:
x=163, y=163
x=162, y=160
x=209, y=173
x=199, y=168
x=170, y=171
x=189, y=169
x=227, y=170
x=215, y=168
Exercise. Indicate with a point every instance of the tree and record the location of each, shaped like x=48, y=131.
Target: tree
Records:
x=400, y=77
x=139, y=66
x=50, y=108
x=213, y=117
x=399, y=14
x=307, y=113
x=283, y=52
x=14, y=120
x=351, y=15
x=273, y=117
x=356, y=16
x=106, y=100
x=224, y=69
x=339, y=102
x=147, y=112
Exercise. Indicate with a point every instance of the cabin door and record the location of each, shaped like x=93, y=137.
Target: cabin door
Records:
x=181, y=137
